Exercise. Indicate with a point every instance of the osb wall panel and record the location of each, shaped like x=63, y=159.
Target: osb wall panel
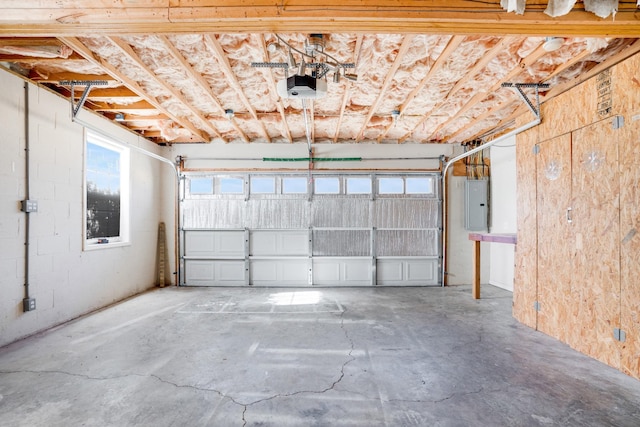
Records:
x=524, y=287
x=603, y=278
x=596, y=271
x=630, y=245
x=576, y=108
x=626, y=87
x=556, y=247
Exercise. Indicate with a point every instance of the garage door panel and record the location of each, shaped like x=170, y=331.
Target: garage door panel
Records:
x=212, y=244
x=414, y=272
x=342, y=242
x=333, y=212
x=302, y=234
x=279, y=243
x=280, y=213
x=214, y=273
x=266, y=270
x=218, y=213
x=325, y=271
x=229, y=271
x=342, y=272
x=272, y=272
x=407, y=243
x=422, y=271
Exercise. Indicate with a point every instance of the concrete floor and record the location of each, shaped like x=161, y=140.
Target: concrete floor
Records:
x=308, y=357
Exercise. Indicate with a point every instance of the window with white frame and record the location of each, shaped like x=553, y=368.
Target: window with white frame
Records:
x=106, y=192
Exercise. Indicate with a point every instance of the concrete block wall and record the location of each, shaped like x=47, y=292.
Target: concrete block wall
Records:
x=66, y=280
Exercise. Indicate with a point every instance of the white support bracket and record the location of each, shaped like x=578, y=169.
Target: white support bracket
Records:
x=88, y=85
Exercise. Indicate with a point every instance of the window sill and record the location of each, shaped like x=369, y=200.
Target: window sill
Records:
x=98, y=246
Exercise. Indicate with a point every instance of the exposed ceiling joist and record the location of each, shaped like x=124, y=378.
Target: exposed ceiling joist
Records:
x=452, y=45
x=269, y=77
x=215, y=47
x=138, y=118
x=69, y=76
x=201, y=82
x=347, y=90
x=79, y=47
x=480, y=96
x=402, y=50
x=128, y=51
x=140, y=106
x=108, y=93
x=72, y=18
x=444, y=90
x=478, y=67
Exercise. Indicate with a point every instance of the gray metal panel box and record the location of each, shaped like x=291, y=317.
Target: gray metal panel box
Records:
x=476, y=207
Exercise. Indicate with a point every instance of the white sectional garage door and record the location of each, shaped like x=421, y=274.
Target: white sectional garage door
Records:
x=300, y=230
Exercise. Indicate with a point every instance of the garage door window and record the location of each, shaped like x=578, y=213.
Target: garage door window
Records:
x=391, y=185
x=358, y=185
x=201, y=185
x=327, y=185
x=294, y=185
x=263, y=185
x=231, y=186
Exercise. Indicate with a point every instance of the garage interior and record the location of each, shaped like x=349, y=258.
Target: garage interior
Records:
x=261, y=214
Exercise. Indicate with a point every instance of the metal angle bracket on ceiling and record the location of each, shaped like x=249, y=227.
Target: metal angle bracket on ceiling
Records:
x=518, y=89
x=89, y=84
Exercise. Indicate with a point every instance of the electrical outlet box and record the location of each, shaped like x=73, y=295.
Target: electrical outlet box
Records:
x=29, y=206
x=29, y=304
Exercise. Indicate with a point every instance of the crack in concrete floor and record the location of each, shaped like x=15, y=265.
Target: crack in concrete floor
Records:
x=222, y=395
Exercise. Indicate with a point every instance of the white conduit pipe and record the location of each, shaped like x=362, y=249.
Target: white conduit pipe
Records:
x=134, y=147
x=514, y=132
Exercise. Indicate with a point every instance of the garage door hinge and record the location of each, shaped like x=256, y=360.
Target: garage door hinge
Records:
x=536, y=149
x=536, y=306
x=619, y=334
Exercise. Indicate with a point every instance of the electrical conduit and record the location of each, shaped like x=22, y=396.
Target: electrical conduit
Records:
x=444, y=182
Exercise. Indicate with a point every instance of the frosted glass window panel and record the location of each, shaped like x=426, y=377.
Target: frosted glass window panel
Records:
x=393, y=185
x=263, y=185
x=419, y=185
x=202, y=185
x=294, y=185
x=358, y=185
x=326, y=185
x=231, y=185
